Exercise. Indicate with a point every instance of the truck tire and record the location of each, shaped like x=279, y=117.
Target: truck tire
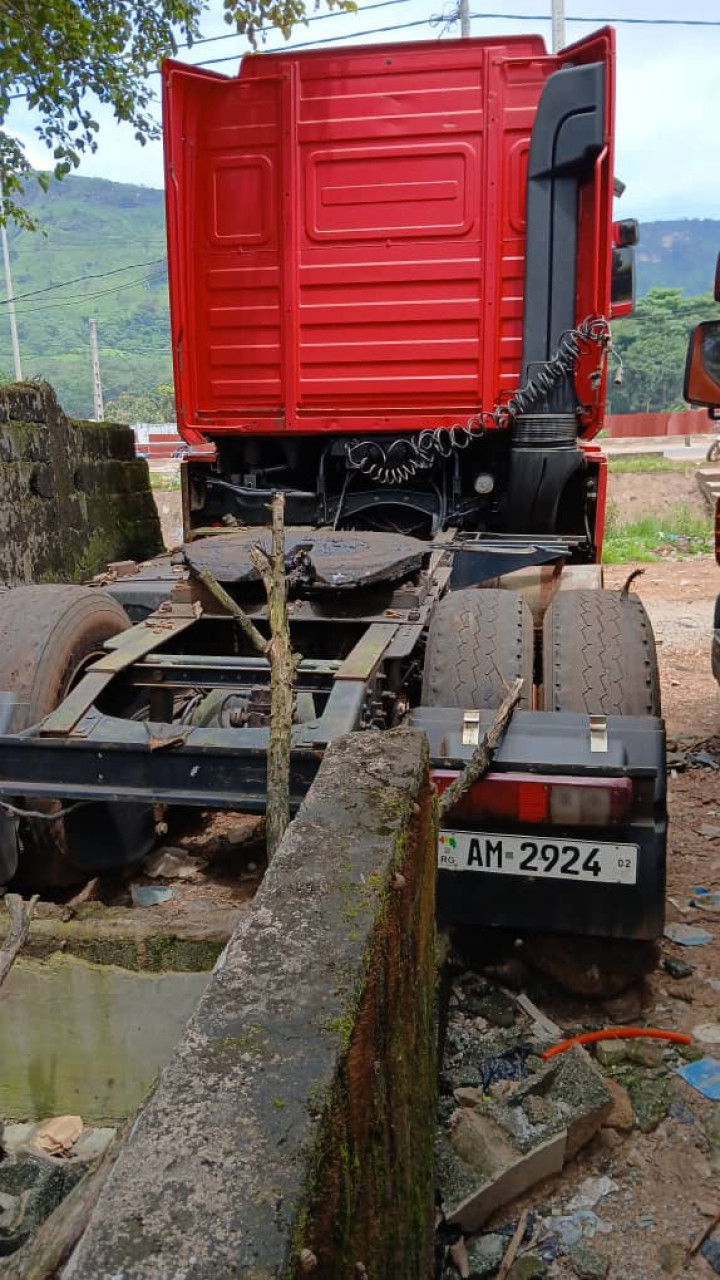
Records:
x=48, y=637
x=599, y=655
x=479, y=643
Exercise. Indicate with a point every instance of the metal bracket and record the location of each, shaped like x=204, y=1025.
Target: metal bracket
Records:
x=471, y=728
x=598, y=734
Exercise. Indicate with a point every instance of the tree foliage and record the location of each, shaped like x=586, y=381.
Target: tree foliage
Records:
x=157, y=405
x=58, y=54
x=653, y=345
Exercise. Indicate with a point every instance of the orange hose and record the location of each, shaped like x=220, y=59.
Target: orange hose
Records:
x=618, y=1033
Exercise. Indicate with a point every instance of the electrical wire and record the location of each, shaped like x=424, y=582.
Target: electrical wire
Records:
x=85, y=297
x=95, y=275
x=315, y=17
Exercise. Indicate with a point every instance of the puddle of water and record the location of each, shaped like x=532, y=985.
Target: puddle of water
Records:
x=87, y=1039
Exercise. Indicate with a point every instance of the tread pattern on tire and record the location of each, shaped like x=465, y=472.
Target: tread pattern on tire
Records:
x=599, y=655
x=479, y=643
x=37, y=626
x=44, y=631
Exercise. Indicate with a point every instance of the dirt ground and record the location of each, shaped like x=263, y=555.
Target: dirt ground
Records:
x=667, y=1181
x=637, y=494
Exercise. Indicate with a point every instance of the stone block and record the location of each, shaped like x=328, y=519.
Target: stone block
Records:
x=296, y=1113
x=511, y=1143
x=72, y=494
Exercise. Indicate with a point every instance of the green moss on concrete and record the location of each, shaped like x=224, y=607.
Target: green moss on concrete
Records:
x=372, y=1173
x=115, y=938
x=72, y=494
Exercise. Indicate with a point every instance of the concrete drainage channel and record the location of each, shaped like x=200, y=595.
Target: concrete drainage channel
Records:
x=297, y=1126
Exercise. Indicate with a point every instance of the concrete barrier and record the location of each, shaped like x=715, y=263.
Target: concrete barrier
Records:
x=73, y=496
x=292, y=1132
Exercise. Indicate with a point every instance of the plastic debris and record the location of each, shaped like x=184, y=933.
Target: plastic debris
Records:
x=149, y=895
x=707, y=1032
x=511, y=1065
x=590, y=1191
x=710, y=1251
x=58, y=1136
x=705, y=899
x=687, y=935
x=703, y=1075
x=172, y=864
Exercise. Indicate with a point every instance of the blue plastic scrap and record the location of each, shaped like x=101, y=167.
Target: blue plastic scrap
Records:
x=687, y=935
x=703, y=1075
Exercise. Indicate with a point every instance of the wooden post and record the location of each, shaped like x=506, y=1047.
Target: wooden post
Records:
x=283, y=666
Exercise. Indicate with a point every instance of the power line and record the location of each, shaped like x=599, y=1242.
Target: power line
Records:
x=95, y=275
x=85, y=297
x=316, y=17
x=308, y=44
x=509, y=17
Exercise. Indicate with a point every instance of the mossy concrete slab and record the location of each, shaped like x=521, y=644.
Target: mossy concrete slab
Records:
x=73, y=496
x=298, y=1111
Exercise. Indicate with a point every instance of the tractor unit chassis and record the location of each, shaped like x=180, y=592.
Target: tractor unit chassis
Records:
x=567, y=833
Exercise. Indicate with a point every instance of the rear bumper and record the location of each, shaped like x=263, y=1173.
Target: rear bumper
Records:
x=546, y=743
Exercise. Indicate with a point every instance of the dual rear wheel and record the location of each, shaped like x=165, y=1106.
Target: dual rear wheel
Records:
x=598, y=653
x=598, y=657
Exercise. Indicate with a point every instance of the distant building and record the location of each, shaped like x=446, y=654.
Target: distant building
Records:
x=158, y=440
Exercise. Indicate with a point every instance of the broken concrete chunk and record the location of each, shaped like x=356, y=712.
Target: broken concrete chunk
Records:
x=528, y=1268
x=651, y=1098
x=610, y=1053
x=485, y=1254
x=587, y=1263
x=647, y=1053
x=515, y=1142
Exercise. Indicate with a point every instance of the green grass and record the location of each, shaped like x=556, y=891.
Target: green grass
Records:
x=166, y=480
x=680, y=531
x=640, y=462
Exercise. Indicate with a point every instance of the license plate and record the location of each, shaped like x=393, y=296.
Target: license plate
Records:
x=538, y=856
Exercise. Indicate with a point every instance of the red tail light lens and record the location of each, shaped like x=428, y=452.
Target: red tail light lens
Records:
x=560, y=801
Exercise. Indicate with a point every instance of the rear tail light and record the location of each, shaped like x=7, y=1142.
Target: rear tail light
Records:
x=561, y=801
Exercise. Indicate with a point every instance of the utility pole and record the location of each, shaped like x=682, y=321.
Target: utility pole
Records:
x=558, y=25
x=97, y=384
x=9, y=293
x=465, y=19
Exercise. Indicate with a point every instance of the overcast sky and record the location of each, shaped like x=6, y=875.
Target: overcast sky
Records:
x=668, y=103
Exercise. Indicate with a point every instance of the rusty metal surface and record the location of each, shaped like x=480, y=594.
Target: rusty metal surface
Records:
x=364, y=659
x=126, y=649
x=339, y=561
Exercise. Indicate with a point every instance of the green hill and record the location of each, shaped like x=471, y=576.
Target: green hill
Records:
x=109, y=238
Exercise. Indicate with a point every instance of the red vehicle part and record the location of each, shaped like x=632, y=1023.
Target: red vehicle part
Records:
x=347, y=234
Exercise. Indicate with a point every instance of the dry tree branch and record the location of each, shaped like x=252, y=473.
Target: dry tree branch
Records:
x=481, y=759
x=20, y=913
